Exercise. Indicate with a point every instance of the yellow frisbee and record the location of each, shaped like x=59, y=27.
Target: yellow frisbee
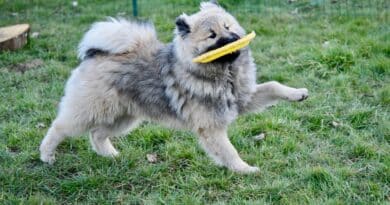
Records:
x=224, y=50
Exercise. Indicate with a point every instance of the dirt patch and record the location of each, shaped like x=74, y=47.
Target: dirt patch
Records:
x=13, y=150
x=28, y=65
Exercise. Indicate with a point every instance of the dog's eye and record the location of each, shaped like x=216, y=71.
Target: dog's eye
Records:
x=212, y=34
x=226, y=27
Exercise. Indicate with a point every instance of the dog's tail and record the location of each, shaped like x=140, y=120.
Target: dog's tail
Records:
x=116, y=36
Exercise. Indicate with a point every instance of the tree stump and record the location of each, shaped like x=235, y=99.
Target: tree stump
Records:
x=13, y=37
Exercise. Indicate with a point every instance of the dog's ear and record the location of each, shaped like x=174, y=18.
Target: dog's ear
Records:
x=182, y=26
x=210, y=5
x=214, y=2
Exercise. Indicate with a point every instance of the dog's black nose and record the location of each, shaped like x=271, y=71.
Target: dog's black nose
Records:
x=226, y=40
x=234, y=36
x=221, y=42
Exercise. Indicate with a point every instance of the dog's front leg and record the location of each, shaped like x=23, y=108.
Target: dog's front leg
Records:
x=270, y=93
x=217, y=145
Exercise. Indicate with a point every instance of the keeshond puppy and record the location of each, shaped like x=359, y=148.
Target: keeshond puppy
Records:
x=127, y=76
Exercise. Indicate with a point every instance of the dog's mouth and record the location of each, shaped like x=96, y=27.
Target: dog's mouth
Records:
x=229, y=58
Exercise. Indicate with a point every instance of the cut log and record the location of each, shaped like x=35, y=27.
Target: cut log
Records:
x=13, y=37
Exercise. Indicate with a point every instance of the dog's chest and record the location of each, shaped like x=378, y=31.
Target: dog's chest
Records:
x=204, y=104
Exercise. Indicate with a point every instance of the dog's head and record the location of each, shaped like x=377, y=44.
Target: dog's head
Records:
x=210, y=28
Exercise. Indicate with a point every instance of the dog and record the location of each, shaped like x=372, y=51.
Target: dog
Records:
x=127, y=76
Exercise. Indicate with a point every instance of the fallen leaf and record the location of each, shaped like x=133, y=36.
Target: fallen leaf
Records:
x=335, y=124
x=40, y=125
x=259, y=137
x=35, y=35
x=326, y=44
x=152, y=158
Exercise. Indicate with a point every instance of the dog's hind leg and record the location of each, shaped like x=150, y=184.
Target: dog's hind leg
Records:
x=217, y=145
x=59, y=130
x=101, y=142
x=100, y=136
x=270, y=93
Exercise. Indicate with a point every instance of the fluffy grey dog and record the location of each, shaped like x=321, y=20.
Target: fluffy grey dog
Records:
x=127, y=76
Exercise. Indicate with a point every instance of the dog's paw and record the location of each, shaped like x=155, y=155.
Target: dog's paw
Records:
x=299, y=94
x=111, y=153
x=246, y=170
x=107, y=151
x=48, y=158
x=252, y=170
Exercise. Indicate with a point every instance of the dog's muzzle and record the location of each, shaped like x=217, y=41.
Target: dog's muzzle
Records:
x=229, y=58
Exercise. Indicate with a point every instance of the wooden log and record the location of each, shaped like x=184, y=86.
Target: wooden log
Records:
x=13, y=37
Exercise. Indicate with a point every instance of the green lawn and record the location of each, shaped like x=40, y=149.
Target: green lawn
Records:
x=333, y=148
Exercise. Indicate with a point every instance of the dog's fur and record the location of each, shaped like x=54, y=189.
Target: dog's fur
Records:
x=127, y=76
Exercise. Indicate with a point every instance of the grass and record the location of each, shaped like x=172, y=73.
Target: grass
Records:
x=333, y=148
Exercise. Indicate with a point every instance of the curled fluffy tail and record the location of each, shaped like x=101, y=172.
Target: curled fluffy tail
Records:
x=116, y=36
